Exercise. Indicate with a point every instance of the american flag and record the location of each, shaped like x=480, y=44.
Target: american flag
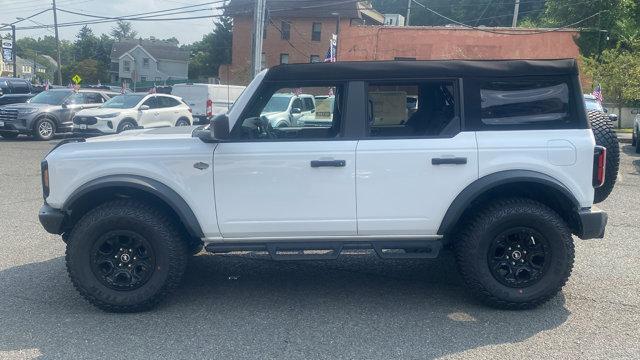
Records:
x=46, y=85
x=123, y=89
x=597, y=92
x=331, y=52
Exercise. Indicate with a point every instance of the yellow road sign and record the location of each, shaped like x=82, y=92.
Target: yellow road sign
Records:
x=76, y=79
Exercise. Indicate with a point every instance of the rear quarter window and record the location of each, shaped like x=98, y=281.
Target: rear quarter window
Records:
x=529, y=103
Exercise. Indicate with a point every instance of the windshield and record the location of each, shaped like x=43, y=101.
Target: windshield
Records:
x=592, y=104
x=277, y=104
x=50, y=97
x=123, y=101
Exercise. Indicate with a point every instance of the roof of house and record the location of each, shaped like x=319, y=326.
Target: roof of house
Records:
x=366, y=70
x=156, y=48
x=307, y=8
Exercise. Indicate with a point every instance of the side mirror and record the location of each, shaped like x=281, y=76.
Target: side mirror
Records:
x=64, y=105
x=220, y=127
x=296, y=111
x=143, y=107
x=613, y=117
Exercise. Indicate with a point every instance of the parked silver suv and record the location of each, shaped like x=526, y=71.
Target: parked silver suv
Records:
x=48, y=113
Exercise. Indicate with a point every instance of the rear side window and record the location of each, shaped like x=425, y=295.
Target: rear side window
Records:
x=165, y=102
x=19, y=87
x=525, y=103
x=308, y=104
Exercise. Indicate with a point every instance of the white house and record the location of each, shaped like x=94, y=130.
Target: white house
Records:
x=148, y=60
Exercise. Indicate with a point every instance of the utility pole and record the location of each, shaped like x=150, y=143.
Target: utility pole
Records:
x=35, y=66
x=516, y=8
x=406, y=22
x=13, y=51
x=258, y=30
x=55, y=24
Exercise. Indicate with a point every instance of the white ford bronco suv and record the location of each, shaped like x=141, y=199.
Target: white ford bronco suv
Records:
x=496, y=161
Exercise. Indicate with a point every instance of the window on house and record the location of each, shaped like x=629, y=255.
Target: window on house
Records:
x=314, y=58
x=285, y=28
x=145, y=62
x=284, y=58
x=143, y=78
x=316, y=31
x=263, y=61
x=126, y=65
x=264, y=30
x=425, y=109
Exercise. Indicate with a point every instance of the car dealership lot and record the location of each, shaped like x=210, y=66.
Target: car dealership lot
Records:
x=356, y=307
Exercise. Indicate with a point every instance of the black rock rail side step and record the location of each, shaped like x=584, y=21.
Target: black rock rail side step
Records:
x=427, y=249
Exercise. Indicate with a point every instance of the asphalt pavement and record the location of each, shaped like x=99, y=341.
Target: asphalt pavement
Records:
x=358, y=307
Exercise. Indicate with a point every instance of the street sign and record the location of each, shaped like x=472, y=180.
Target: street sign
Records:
x=7, y=44
x=76, y=79
x=7, y=55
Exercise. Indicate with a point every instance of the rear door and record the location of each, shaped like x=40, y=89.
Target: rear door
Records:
x=412, y=163
x=168, y=111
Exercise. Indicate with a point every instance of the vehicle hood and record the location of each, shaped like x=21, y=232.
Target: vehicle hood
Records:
x=99, y=111
x=41, y=107
x=273, y=114
x=165, y=133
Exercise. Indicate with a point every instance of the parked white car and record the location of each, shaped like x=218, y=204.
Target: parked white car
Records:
x=285, y=109
x=134, y=110
x=207, y=100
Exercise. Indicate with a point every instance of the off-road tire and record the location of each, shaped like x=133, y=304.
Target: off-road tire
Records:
x=8, y=135
x=605, y=136
x=124, y=123
x=472, y=247
x=169, y=247
x=42, y=122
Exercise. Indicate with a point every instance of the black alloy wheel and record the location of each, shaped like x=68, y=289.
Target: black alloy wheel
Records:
x=122, y=260
x=519, y=257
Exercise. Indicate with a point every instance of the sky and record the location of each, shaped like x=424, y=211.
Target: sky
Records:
x=186, y=31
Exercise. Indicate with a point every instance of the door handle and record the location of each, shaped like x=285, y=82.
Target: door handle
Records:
x=449, y=160
x=328, y=163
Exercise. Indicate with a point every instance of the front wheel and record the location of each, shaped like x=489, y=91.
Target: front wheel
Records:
x=125, y=125
x=44, y=129
x=125, y=256
x=515, y=254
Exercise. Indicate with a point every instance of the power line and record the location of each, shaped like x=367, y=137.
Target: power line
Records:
x=24, y=19
x=128, y=17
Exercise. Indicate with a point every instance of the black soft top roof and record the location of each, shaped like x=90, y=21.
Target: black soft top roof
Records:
x=371, y=70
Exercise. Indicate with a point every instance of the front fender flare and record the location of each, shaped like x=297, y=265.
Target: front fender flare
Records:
x=151, y=186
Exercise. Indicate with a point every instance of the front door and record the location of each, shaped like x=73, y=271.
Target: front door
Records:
x=414, y=160
x=148, y=118
x=274, y=183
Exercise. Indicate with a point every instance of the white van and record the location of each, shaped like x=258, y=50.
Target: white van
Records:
x=207, y=100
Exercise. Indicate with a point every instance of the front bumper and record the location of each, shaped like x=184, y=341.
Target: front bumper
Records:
x=593, y=222
x=51, y=219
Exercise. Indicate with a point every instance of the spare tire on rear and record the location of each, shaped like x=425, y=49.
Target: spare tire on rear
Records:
x=605, y=136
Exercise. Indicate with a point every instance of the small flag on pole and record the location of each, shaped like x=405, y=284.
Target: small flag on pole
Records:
x=597, y=92
x=123, y=88
x=46, y=85
x=331, y=53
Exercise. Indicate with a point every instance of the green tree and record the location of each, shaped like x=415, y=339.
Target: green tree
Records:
x=86, y=44
x=87, y=69
x=214, y=49
x=123, y=31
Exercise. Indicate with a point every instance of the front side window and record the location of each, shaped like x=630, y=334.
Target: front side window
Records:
x=314, y=58
x=283, y=113
x=316, y=31
x=145, y=62
x=126, y=65
x=284, y=58
x=426, y=109
x=525, y=102
x=75, y=98
x=151, y=102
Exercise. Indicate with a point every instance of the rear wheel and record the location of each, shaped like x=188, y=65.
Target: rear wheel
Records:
x=515, y=254
x=44, y=129
x=183, y=122
x=125, y=256
x=605, y=136
x=8, y=135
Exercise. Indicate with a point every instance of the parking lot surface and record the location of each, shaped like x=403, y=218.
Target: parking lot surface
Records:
x=358, y=307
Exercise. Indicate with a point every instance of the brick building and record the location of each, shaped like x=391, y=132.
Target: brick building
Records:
x=295, y=32
x=362, y=43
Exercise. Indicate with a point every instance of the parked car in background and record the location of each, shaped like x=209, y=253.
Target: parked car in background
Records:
x=285, y=109
x=48, y=113
x=13, y=91
x=325, y=107
x=591, y=103
x=207, y=100
x=133, y=110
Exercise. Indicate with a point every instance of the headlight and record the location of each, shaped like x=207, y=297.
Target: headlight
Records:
x=27, y=111
x=107, y=116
